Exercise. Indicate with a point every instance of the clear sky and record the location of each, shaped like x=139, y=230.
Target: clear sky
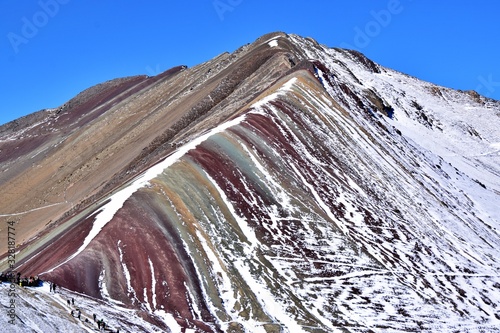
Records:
x=52, y=49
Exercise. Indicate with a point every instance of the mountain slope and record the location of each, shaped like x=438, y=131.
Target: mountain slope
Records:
x=284, y=187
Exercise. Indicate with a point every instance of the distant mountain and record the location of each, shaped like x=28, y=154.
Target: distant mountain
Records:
x=285, y=187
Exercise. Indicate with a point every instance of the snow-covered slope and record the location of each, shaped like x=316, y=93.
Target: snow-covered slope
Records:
x=340, y=197
x=38, y=309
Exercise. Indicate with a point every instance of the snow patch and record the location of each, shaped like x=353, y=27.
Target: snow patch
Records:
x=283, y=89
x=169, y=320
x=273, y=43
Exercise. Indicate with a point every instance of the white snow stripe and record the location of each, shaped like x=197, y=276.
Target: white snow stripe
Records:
x=117, y=200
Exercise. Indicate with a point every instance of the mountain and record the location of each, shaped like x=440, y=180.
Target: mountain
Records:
x=284, y=187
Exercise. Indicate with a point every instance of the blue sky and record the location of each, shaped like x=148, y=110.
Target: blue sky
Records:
x=52, y=49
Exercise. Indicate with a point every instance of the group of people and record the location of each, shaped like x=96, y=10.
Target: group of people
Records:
x=53, y=287
x=101, y=324
x=12, y=277
x=77, y=313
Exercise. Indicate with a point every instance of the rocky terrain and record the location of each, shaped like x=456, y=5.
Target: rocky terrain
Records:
x=284, y=187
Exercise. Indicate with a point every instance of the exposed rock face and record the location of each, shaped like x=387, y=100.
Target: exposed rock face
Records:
x=286, y=187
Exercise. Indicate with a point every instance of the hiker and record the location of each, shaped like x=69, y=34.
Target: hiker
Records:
x=72, y=301
x=69, y=304
x=79, y=313
x=94, y=317
x=51, y=287
x=72, y=313
x=54, y=287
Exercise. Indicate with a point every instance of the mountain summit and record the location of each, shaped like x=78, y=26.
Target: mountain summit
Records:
x=284, y=187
